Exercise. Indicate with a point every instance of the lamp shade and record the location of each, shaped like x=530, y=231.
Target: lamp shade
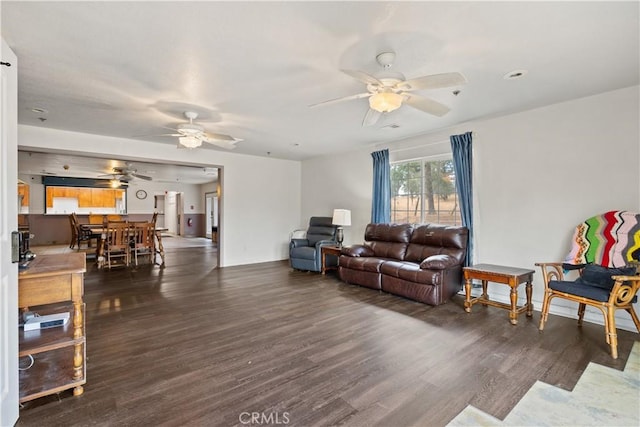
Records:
x=341, y=217
x=385, y=101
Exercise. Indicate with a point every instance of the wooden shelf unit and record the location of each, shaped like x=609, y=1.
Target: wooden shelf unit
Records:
x=53, y=284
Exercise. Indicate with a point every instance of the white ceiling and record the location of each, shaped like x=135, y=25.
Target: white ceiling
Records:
x=250, y=69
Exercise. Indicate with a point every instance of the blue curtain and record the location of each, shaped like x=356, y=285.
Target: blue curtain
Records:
x=381, y=206
x=462, y=161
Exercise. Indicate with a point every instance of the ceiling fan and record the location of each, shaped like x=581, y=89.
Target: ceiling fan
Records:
x=192, y=135
x=126, y=173
x=389, y=90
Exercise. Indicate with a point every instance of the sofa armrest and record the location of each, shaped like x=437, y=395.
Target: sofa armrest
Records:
x=357, y=251
x=439, y=262
x=295, y=243
x=321, y=243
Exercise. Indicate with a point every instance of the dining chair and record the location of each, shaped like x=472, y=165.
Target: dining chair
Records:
x=74, y=232
x=116, y=244
x=141, y=240
x=79, y=233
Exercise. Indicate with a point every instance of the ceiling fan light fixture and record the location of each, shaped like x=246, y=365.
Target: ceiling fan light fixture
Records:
x=385, y=102
x=190, y=141
x=115, y=183
x=190, y=129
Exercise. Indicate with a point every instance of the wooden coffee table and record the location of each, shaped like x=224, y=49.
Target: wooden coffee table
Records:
x=328, y=250
x=511, y=276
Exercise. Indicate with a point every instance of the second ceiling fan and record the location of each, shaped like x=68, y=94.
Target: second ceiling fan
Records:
x=126, y=173
x=389, y=90
x=192, y=135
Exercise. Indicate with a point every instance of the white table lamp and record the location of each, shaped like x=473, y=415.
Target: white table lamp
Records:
x=341, y=217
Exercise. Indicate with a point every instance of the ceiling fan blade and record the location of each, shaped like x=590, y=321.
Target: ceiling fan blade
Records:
x=144, y=177
x=228, y=145
x=210, y=136
x=151, y=136
x=363, y=77
x=371, y=118
x=344, y=98
x=427, y=105
x=434, y=81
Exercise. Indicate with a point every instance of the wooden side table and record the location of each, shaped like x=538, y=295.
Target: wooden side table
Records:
x=511, y=276
x=328, y=250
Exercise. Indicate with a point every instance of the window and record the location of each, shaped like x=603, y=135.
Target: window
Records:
x=424, y=191
x=83, y=196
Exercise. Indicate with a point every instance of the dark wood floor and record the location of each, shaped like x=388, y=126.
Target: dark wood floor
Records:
x=194, y=345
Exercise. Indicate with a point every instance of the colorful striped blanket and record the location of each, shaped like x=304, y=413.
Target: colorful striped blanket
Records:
x=611, y=239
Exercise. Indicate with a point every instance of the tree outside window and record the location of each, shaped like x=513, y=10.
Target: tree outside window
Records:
x=423, y=191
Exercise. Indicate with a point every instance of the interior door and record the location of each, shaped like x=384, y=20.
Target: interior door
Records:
x=170, y=212
x=208, y=213
x=180, y=212
x=8, y=223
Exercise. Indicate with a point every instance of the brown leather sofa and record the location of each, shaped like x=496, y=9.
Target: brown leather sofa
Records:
x=422, y=262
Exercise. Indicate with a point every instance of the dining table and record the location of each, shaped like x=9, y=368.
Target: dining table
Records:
x=99, y=231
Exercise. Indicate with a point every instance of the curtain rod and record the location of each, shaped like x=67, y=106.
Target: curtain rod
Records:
x=397, y=150
x=445, y=141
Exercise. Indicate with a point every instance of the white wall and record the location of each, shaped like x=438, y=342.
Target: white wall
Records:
x=192, y=196
x=257, y=213
x=537, y=174
x=340, y=182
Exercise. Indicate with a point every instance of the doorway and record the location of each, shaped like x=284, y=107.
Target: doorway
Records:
x=211, y=216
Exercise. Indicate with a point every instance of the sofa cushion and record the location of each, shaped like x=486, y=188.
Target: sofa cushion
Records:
x=388, y=240
x=439, y=262
x=411, y=272
x=399, y=233
x=435, y=239
x=597, y=275
x=578, y=288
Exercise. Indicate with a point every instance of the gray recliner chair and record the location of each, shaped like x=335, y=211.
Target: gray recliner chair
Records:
x=305, y=254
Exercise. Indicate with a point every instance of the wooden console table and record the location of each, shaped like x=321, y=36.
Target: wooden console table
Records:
x=328, y=250
x=54, y=357
x=499, y=274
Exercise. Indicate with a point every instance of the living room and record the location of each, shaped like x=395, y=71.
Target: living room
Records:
x=539, y=169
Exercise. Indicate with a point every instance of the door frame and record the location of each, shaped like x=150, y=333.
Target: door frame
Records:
x=9, y=388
